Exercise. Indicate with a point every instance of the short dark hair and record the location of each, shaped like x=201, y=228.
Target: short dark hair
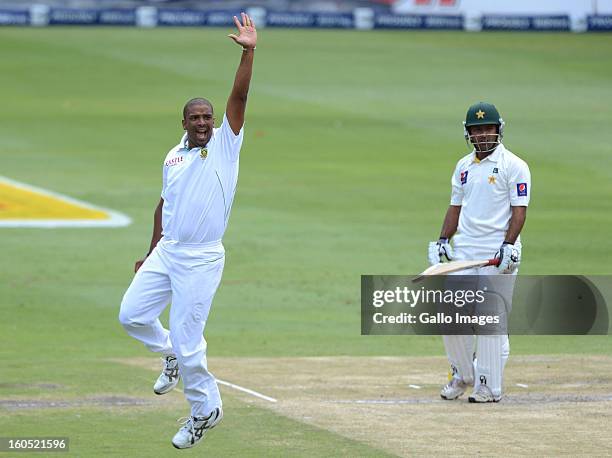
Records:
x=196, y=101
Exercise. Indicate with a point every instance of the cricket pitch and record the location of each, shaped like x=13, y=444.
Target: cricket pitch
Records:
x=552, y=405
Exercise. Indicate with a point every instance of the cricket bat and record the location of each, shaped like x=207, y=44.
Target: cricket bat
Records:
x=453, y=266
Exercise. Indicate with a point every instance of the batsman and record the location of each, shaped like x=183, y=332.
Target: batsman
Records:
x=490, y=191
x=186, y=256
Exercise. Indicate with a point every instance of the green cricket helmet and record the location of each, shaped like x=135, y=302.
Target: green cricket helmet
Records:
x=483, y=113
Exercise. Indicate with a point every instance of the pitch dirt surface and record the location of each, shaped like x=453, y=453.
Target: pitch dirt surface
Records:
x=553, y=404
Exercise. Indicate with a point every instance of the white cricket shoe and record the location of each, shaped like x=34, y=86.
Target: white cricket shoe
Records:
x=193, y=429
x=483, y=394
x=169, y=377
x=454, y=389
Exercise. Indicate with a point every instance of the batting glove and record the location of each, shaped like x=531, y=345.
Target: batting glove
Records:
x=440, y=251
x=509, y=258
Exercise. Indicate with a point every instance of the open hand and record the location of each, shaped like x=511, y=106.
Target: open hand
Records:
x=247, y=34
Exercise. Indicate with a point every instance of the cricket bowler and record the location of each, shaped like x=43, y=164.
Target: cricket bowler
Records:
x=186, y=256
x=491, y=188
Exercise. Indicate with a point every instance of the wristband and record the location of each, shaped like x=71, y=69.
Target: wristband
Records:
x=246, y=49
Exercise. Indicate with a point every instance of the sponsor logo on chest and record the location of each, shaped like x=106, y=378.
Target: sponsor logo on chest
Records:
x=174, y=161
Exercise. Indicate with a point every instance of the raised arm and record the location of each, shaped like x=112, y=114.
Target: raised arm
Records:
x=236, y=103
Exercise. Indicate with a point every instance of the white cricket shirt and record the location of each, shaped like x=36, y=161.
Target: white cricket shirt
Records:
x=486, y=190
x=198, y=187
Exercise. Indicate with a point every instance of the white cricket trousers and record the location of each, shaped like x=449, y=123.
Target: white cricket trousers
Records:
x=492, y=351
x=188, y=275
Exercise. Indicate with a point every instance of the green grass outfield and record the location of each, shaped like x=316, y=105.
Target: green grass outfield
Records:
x=350, y=142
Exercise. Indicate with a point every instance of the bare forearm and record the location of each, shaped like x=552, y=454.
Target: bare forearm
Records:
x=451, y=221
x=517, y=221
x=236, y=104
x=242, y=80
x=157, y=226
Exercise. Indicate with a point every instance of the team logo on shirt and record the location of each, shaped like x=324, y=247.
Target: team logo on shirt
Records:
x=464, y=177
x=203, y=153
x=495, y=170
x=521, y=189
x=491, y=179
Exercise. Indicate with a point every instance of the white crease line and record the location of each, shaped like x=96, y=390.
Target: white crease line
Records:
x=240, y=388
x=246, y=390
x=416, y=387
x=522, y=385
x=389, y=401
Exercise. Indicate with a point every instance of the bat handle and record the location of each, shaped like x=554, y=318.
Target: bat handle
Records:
x=493, y=262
